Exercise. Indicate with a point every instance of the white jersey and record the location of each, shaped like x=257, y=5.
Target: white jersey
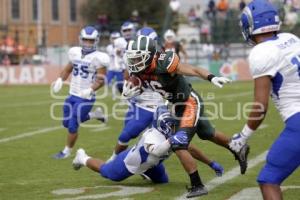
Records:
x=138, y=159
x=116, y=61
x=85, y=68
x=149, y=100
x=280, y=59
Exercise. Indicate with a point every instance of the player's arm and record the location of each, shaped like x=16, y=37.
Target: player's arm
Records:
x=100, y=79
x=189, y=70
x=262, y=86
x=64, y=74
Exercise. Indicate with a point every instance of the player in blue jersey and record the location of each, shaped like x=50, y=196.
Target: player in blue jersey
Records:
x=87, y=67
x=275, y=66
x=144, y=158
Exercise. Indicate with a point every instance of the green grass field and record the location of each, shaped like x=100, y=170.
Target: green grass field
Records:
x=27, y=170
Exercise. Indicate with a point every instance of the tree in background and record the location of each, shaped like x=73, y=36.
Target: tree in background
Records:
x=151, y=12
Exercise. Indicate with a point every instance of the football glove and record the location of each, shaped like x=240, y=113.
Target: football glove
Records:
x=57, y=85
x=179, y=139
x=86, y=93
x=130, y=91
x=220, y=81
x=238, y=140
x=217, y=168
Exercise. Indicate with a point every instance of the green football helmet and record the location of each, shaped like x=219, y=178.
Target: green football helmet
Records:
x=139, y=53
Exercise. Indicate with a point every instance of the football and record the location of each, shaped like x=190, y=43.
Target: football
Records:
x=135, y=81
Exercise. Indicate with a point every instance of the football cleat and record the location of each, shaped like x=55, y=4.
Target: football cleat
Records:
x=242, y=157
x=61, y=155
x=100, y=115
x=196, y=191
x=78, y=160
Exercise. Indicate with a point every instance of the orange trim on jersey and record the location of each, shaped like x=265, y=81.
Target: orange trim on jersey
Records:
x=173, y=65
x=189, y=114
x=152, y=65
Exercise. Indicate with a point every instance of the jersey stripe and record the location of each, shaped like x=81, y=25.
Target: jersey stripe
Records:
x=130, y=44
x=173, y=64
x=190, y=115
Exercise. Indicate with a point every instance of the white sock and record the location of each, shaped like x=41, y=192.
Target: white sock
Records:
x=84, y=159
x=67, y=150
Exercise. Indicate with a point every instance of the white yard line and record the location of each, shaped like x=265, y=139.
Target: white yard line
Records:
x=100, y=129
x=29, y=134
x=233, y=173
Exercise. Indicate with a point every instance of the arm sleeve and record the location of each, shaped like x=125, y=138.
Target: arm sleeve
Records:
x=101, y=61
x=263, y=61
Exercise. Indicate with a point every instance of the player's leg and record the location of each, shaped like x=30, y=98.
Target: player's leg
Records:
x=282, y=160
x=139, y=120
x=188, y=114
x=67, y=113
x=109, y=77
x=120, y=79
x=157, y=174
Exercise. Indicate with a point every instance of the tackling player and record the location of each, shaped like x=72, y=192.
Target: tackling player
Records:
x=163, y=73
x=275, y=67
x=144, y=158
x=87, y=66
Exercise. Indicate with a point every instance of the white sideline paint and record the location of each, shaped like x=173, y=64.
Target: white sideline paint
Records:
x=100, y=129
x=123, y=191
x=230, y=174
x=29, y=134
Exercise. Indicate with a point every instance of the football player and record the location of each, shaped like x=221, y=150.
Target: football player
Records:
x=144, y=158
x=275, y=66
x=88, y=68
x=117, y=66
x=163, y=73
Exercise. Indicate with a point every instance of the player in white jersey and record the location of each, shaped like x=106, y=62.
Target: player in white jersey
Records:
x=275, y=67
x=143, y=158
x=117, y=66
x=88, y=68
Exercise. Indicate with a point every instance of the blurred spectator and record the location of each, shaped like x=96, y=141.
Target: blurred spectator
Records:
x=208, y=50
x=102, y=23
x=174, y=5
x=192, y=16
x=222, y=8
x=242, y=5
x=211, y=10
x=205, y=31
x=199, y=13
x=6, y=60
x=171, y=44
x=135, y=19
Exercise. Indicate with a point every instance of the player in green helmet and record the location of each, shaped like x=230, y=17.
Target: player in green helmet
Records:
x=163, y=73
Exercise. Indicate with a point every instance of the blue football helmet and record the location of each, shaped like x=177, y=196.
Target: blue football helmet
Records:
x=258, y=17
x=163, y=121
x=88, y=33
x=128, y=30
x=148, y=31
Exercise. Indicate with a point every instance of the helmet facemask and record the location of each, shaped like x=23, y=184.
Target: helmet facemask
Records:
x=140, y=53
x=137, y=60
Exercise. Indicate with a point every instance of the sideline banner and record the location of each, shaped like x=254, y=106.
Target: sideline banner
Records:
x=18, y=75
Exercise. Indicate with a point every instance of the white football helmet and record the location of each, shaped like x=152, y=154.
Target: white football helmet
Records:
x=88, y=39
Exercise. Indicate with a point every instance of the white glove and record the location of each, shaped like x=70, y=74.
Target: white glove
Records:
x=86, y=93
x=220, y=81
x=237, y=142
x=57, y=85
x=130, y=91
